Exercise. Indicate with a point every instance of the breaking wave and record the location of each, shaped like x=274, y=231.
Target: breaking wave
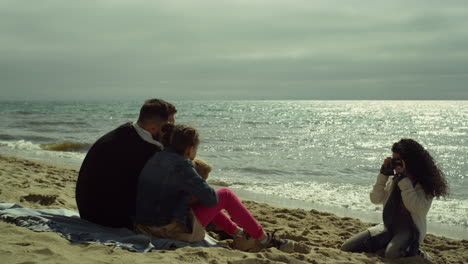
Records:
x=68, y=146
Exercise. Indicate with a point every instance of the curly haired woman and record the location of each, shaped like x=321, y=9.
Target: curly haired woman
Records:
x=407, y=183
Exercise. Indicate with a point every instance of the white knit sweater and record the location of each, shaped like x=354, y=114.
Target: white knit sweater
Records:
x=414, y=199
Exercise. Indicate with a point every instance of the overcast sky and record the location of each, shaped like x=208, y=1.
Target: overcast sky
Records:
x=234, y=49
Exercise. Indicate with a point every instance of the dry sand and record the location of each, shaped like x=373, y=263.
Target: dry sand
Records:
x=318, y=234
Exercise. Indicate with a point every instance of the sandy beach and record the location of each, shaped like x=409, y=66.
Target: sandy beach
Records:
x=318, y=235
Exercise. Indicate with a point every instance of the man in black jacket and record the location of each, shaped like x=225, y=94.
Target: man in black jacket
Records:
x=107, y=181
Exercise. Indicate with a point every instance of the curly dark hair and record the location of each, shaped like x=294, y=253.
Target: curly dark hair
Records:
x=421, y=165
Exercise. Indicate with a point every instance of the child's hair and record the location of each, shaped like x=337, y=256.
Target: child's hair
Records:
x=180, y=137
x=202, y=167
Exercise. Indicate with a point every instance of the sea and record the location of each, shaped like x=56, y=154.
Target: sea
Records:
x=321, y=155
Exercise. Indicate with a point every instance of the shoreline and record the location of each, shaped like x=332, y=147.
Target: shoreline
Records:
x=454, y=232
x=319, y=234
x=449, y=231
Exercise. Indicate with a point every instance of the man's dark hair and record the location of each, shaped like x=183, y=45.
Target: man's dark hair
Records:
x=156, y=110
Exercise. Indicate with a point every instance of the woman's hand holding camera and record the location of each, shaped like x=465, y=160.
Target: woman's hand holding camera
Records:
x=393, y=166
x=386, y=168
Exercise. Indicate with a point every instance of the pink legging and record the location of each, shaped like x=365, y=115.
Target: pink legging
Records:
x=228, y=200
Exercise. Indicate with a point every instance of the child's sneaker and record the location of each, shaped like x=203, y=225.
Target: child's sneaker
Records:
x=248, y=244
x=282, y=244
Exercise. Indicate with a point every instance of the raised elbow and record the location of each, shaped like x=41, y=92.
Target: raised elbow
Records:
x=376, y=199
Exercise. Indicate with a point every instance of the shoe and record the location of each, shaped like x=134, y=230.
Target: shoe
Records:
x=248, y=244
x=282, y=244
x=220, y=234
x=425, y=256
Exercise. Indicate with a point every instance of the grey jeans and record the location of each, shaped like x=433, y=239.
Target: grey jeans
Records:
x=364, y=242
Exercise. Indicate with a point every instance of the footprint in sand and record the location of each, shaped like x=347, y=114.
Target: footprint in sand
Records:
x=39, y=198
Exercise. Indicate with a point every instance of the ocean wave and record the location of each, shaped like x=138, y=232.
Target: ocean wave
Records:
x=32, y=138
x=447, y=211
x=67, y=146
x=274, y=138
x=30, y=150
x=262, y=171
x=25, y=113
x=56, y=123
x=222, y=183
x=20, y=145
x=219, y=183
x=37, y=138
x=7, y=137
x=63, y=146
x=256, y=122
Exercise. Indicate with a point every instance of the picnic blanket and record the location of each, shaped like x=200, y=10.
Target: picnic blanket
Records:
x=69, y=225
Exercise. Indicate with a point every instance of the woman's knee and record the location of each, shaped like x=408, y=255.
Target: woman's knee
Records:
x=356, y=243
x=352, y=245
x=347, y=246
x=393, y=252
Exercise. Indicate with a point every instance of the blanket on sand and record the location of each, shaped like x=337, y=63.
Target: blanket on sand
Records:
x=70, y=226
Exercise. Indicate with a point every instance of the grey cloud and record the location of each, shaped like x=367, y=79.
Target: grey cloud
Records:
x=235, y=49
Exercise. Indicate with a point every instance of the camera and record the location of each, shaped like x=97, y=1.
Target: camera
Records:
x=396, y=162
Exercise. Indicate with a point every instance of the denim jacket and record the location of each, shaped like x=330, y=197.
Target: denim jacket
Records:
x=164, y=186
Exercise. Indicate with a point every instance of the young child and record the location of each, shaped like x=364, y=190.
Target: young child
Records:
x=241, y=241
x=167, y=181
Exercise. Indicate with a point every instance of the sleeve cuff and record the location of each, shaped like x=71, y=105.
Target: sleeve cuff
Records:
x=382, y=179
x=405, y=184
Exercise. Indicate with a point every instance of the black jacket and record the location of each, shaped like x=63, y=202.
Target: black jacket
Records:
x=108, y=178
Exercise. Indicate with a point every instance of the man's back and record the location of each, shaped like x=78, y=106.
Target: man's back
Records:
x=107, y=182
